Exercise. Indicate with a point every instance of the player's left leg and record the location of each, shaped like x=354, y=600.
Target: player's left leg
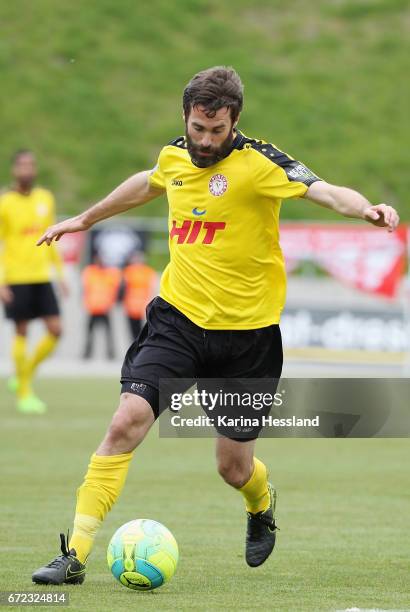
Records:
x=249, y=354
x=47, y=344
x=42, y=350
x=19, y=354
x=240, y=469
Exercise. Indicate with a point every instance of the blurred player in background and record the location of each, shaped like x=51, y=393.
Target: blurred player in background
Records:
x=26, y=273
x=100, y=286
x=220, y=300
x=139, y=288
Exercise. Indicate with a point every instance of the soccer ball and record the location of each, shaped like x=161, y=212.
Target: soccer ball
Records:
x=142, y=555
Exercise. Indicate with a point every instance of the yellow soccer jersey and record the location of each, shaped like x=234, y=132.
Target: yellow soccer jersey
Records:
x=23, y=218
x=226, y=267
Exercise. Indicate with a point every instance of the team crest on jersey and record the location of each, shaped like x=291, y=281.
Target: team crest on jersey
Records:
x=218, y=184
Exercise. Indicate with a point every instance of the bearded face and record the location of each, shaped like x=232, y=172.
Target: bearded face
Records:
x=203, y=157
x=209, y=139
x=25, y=171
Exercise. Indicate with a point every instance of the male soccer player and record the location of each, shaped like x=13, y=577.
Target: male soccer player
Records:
x=220, y=298
x=25, y=274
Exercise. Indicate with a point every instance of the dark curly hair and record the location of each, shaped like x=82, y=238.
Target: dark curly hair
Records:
x=214, y=88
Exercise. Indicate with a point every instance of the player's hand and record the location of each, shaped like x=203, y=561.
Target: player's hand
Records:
x=6, y=294
x=75, y=224
x=382, y=215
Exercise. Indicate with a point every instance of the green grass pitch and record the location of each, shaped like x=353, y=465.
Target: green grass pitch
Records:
x=343, y=511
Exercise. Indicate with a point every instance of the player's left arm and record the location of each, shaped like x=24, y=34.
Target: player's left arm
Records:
x=351, y=203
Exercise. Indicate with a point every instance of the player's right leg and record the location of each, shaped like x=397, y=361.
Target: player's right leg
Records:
x=20, y=384
x=102, y=485
x=169, y=346
x=20, y=312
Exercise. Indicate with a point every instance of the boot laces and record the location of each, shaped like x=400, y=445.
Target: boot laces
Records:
x=60, y=560
x=258, y=523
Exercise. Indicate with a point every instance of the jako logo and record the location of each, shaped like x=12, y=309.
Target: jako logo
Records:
x=189, y=231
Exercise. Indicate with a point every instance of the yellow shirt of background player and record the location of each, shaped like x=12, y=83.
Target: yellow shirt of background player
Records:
x=226, y=267
x=23, y=218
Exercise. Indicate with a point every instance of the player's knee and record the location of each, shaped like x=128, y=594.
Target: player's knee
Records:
x=234, y=473
x=55, y=329
x=121, y=428
x=130, y=422
x=21, y=328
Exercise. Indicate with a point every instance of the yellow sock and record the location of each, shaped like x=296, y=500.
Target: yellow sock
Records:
x=19, y=349
x=43, y=349
x=255, y=491
x=102, y=485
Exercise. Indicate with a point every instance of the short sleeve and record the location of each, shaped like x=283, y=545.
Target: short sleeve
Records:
x=156, y=175
x=277, y=175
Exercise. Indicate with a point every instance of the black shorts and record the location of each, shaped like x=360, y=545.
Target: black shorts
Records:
x=32, y=301
x=172, y=346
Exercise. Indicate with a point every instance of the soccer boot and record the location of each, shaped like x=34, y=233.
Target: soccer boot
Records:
x=261, y=533
x=31, y=404
x=64, y=569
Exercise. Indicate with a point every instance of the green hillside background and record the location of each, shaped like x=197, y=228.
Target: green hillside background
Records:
x=95, y=88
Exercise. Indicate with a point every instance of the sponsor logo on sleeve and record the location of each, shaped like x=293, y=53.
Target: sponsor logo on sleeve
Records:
x=300, y=173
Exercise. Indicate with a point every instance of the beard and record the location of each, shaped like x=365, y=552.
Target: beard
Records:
x=25, y=183
x=214, y=154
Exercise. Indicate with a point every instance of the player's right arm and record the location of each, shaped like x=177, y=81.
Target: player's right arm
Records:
x=135, y=191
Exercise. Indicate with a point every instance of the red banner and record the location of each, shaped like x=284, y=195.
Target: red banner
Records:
x=370, y=259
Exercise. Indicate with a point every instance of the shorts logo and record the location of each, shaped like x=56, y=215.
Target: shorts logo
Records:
x=138, y=387
x=218, y=184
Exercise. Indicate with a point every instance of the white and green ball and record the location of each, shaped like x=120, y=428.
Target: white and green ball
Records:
x=142, y=555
